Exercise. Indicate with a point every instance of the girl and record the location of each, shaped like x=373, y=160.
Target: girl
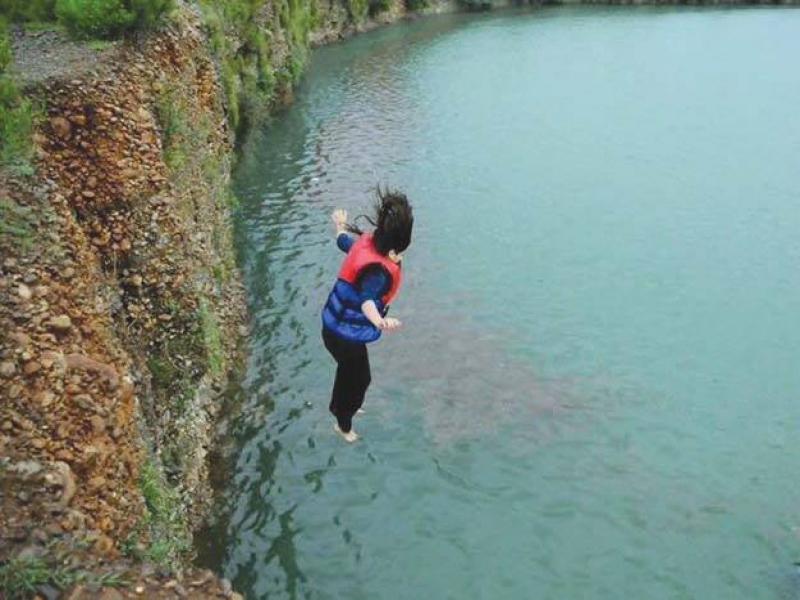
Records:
x=355, y=313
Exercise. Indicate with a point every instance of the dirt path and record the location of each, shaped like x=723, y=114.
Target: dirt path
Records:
x=49, y=54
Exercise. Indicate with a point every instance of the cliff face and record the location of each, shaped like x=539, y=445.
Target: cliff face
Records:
x=120, y=304
x=140, y=154
x=121, y=308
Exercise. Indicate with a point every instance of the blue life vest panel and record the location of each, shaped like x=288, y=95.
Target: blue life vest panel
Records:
x=343, y=316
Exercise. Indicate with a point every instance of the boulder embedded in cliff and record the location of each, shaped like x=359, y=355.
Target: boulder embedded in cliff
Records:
x=24, y=292
x=81, y=362
x=60, y=323
x=7, y=369
x=60, y=126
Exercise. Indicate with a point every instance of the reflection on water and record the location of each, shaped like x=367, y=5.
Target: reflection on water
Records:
x=563, y=414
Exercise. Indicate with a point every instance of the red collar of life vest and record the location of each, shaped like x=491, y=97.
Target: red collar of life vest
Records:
x=361, y=255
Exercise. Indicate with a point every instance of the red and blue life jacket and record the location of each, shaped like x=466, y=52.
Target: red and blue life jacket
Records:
x=342, y=312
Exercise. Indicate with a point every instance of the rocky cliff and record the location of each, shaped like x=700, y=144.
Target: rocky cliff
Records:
x=121, y=308
x=120, y=304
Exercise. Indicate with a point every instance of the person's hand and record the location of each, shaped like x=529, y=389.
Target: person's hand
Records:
x=339, y=218
x=390, y=324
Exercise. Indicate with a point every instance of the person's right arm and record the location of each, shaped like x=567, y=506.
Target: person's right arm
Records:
x=343, y=239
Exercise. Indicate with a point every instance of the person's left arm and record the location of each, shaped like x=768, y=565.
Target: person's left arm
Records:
x=373, y=284
x=370, y=310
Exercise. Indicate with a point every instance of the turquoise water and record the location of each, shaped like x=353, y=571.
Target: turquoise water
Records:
x=595, y=392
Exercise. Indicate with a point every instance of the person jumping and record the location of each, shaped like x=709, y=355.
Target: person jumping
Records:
x=355, y=312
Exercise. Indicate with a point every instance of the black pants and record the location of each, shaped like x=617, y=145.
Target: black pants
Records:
x=352, y=377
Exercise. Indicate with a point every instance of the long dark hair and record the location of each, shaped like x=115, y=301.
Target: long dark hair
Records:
x=393, y=221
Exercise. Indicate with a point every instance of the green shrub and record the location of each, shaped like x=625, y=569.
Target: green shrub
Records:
x=378, y=6
x=477, y=5
x=104, y=19
x=230, y=81
x=149, y=12
x=299, y=23
x=416, y=4
x=5, y=47
x=249, y=76
x=28, y=10
x=16, y=112
x=357, y=9
x=86, y=19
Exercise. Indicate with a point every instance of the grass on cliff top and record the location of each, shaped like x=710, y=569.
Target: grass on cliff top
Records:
x=88, y=19
x=109, y=19
x=28, y=10
x=34, y=26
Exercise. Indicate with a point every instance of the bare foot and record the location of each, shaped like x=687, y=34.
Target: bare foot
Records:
x=350, y=437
